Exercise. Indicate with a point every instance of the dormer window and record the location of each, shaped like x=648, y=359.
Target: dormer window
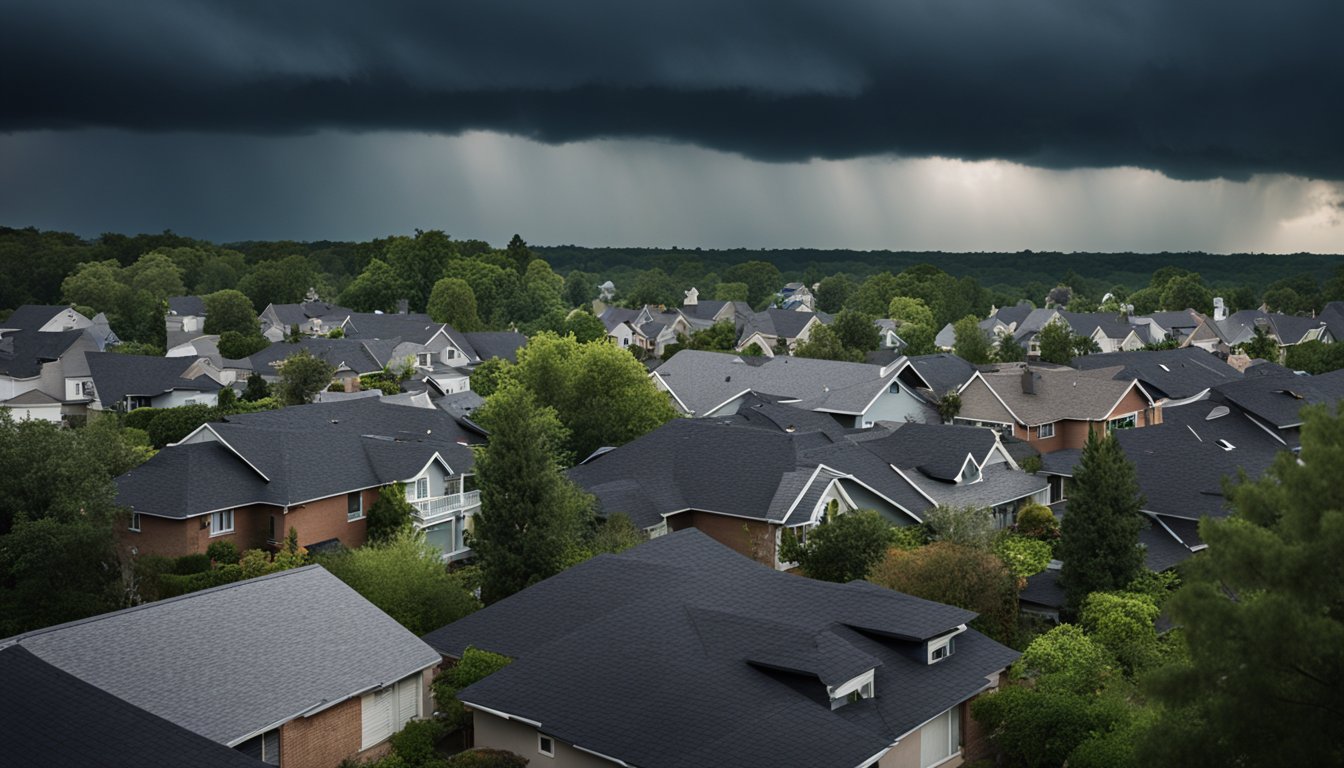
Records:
x=939, y=648
x=858, y=688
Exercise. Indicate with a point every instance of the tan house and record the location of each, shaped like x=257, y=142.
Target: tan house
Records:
x=1055, y=408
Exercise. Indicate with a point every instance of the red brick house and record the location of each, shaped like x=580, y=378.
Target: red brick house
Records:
x=316, y=469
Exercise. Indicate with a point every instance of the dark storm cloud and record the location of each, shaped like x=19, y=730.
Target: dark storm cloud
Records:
x=1193, y=88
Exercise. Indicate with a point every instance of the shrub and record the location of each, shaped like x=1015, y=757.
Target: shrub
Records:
x=1038, y=522
x=909, y=536
x=173, y=424
x=416, y=742
x=139, y=418
x=193, y=563
x=390, y=514
x=172, y=585
x=1066, y=659
x=474, y=665
x=967, y=526
x=1031, y=464
x=222, y=552
x=967, y=577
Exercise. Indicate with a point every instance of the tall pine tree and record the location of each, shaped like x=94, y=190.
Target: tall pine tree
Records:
x=1099, y=540
x=1263, y=615
x=533, y=519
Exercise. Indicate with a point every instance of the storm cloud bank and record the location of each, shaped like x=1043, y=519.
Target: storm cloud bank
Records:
x=1194, y=89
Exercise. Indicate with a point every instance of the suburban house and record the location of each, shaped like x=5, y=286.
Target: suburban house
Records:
x=1054, y=408
x=185, y=319
x=38, y=699
x=855, y=394
x=649, y=328
x=126, y=382
x=681, y=652
x=1286, y=330
x=43, y=371
x=778, y=331
x=1169, y=375
x=1112, y=332
x=315, y=468
x=796, y=296
x=744, y=479
x=293, y=669
x=313, y=317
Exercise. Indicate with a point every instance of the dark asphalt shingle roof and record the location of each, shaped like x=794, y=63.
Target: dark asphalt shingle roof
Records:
x=1278, y=400
x=667, y=655
x=213, y=663
x=304, y=452
x=22, y=353
x=705, y=380
x=115, y=376
x=783, y=323
x=187, y=305
x=31, y=317
x=54, y=719
x=942, y=372
x=491, y=344
x=356, y=355
x=1175, y=373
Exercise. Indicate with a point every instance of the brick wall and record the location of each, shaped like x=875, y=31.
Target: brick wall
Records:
x=753, y=538
x=174, y=538
x=323, y=740
x=326, y=519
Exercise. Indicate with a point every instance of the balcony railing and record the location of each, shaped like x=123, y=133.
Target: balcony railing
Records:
x=438, y=506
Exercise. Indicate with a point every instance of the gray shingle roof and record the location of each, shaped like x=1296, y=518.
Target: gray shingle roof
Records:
x=1278, y=400
x=416, y=328
x=357, y=355
x=501, y=344
x=304, y=452
x=187, y=305
x=22, y=353
x=40, y=702
x=942, y=372
x=212, y=663
x=783, y=323
x=115, y=376
x=1174, y=373
x=31, y=317
x=290, y=314
x=1061, y=393
x=667, y=655
x=705, y=380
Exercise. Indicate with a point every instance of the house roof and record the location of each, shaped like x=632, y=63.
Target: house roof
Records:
x=1174, y=373
x=211, y=663
x=938, y=451
x=41, y=703
x=1060, y=393
x=358, y=355
x=1239, y=327
x=416, y=328
x=116, y=376
x=1043, y=589
x=294, y=455
x=187, y=305
x=706, y=380
x=682, y=653
x=31, y=317
x=30, y=398
x=1278, y=400
x=22, y=353
x=781, y=323
x=291, y=314
x=500, y=344
x=942, y=372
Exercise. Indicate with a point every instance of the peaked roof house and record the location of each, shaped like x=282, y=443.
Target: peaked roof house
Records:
x=294, y=668
x=126, y=382
x=855, y=394
x=776, y=330
x=39, y=700
x=184, y=320
x=314, y=468
x=43, y=371
x=1054, y=408
x=743, y=479
x=313, y=317
x=682, y=653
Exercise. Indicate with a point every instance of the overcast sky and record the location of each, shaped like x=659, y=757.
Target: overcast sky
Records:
x=931, y=124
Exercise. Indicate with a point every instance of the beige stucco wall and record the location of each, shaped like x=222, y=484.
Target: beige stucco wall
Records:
x=498, y=733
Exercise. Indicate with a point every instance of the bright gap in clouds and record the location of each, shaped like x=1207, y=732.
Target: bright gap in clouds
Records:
x=633, y=193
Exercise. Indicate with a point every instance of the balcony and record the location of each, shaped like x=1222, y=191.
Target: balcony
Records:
x=435, y=507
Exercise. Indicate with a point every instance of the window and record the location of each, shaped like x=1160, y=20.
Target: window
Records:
x=422, y=488
x=264, y=747
x=941, y=648
x=135, y=522
x=423, y=359
x=388, y=710
x=546, y=745
x=895, y=388
x=940, y=738
x=1046, y=431
x=354, y=506
x=449, y=353
x=1124, y=422
x=221, y=522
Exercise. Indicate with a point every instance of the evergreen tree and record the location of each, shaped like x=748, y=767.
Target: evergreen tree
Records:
x=971, y=344
x=533, y=519
x=1009, y=349
x=1099, y=541
x=1263, y=614
x=389, y=515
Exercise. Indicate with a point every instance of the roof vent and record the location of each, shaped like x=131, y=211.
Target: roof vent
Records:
x=1218, y=412
x=728, y=378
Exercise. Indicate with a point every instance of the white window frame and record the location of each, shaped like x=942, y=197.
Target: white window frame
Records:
x=954, y=736
x=360, y=512
x=542, y=741
x=217, y=527
x=420, y=496
x=1132, y=418
x=135, y=522
x=1045, y=431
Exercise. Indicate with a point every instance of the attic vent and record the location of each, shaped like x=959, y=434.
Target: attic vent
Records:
x=1291, y=394
x=1164, y=367
x=727, y=378
x=1218, y=412
x=1226, y=446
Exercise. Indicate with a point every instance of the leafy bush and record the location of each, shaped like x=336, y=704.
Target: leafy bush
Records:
x=967, y=577
x=1066, y=659
x=1041, y=728
x=1031, y=465
x=139, y=418
x=193, y=563
x=840, y=549
x=389, y=515
x=1123, y=623
x=170, y=425
x=966, y=526
x=474, y=665
x=1038, y=522
x=1023, y=556
x=222, y=552
x=909, y=536
x=415, y=743
x=172, y=585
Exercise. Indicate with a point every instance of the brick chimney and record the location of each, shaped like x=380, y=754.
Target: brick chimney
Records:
x=1028, y=381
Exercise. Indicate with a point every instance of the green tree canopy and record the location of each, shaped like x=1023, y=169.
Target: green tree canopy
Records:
x=762, y=279
x=906, y=310
x=1056, y=343
x=1261, y=611
x=856, y=331
x=971, y=344
x=1009, y=349
x=301, y=376
x=390, y=514
x=584, y=326
x=453, y=302
x=842, y=548
x=279, y=281
x=732, y=292
x=833, y=292
x=377, y=289
x=1099, y=539
x=824, y=343
x=230, y=310
x=533, y=519
x=967, y=577
x=1261, y=346
x=236, y=346
x=1187, y=292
